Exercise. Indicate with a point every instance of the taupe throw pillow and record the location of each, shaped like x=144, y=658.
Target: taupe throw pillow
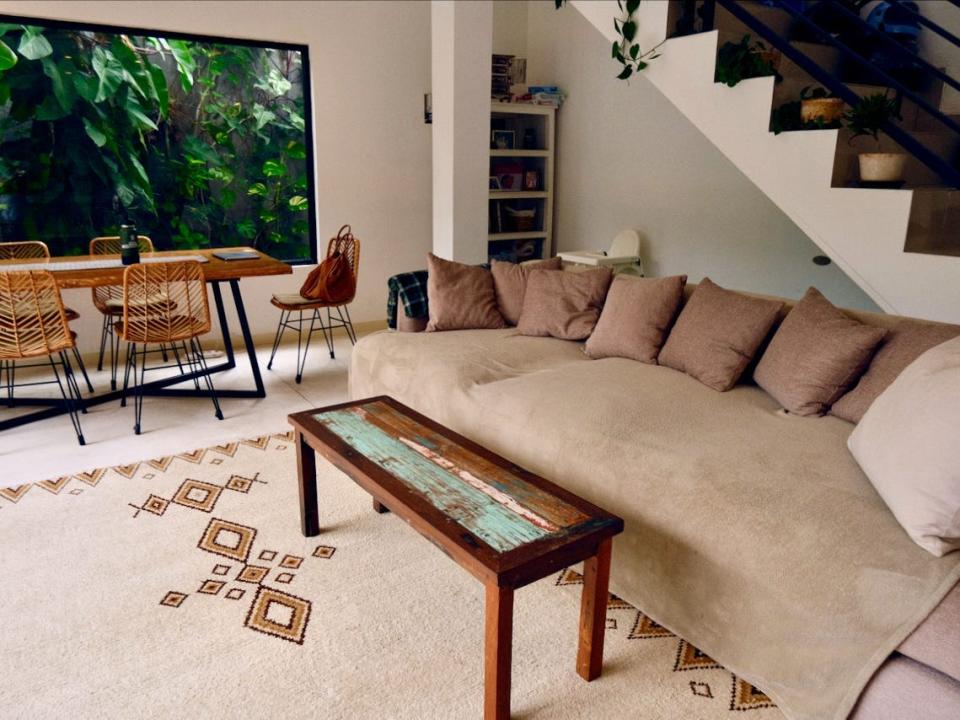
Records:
x=816, y=355
x=907, y=341
x=717, y=334
x=563, y=305
x=460, y=296
x=636, y=317
x=510, y=284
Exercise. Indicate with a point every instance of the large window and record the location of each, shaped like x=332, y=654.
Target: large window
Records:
x=199, y=141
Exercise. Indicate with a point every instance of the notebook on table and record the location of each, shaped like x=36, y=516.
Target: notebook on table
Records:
x=230, y=255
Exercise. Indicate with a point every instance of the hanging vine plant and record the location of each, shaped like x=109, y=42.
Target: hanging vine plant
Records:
x=625, y=50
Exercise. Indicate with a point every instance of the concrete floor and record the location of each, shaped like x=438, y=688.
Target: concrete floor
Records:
x=49, y=449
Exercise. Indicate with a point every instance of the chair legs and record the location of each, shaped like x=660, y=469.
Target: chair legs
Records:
x=70, y=391
x=316, y=325
x=192, y=356
x=109, y=340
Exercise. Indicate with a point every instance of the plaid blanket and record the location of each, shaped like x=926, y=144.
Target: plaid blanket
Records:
x=410, y=289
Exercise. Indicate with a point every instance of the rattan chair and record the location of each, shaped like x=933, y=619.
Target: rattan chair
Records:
x=288, y=304
x=33, y=324
x=108, y=299
x=35, y=250
x=164, y=303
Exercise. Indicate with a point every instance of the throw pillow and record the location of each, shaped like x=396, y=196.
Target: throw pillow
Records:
x=816, y=355
x=460, y=297
x=562, y=304
x=510, y=284
x=907, y=445
x=907, y=341
x=717, y=334
x=636, y=317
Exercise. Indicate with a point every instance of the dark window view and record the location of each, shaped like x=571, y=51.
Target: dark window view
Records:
x=199, y=142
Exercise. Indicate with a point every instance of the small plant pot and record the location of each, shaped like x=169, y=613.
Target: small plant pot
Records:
x=882, y=167
x=827, y=110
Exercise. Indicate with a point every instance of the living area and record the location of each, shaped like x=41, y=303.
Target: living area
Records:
x=680, y=418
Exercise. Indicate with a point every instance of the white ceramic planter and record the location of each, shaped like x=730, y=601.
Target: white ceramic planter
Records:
x=882, y=167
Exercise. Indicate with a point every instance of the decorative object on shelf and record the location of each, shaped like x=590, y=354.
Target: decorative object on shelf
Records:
x=867, y=118
x=531, y=180
x=820, y=107
x=520, y=220
x=502, y=139
x=743, y=60
x=500, y=76
x=509, y=175
x=495, y=183
x=530, y=139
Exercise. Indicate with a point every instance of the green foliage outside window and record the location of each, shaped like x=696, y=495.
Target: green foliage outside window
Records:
x=200, y=144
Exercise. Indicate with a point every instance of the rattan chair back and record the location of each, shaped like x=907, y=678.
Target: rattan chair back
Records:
x=164, y=302
x=32, y=319
x=349, y=246
x=24, y=250
x=110, y=245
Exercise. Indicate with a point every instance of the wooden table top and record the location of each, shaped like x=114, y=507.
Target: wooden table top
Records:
x=494, y=517
x=214, y=269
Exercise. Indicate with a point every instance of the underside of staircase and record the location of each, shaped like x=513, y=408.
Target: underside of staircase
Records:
x=901, y=246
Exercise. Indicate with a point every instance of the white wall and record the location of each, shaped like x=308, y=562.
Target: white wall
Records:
x=939, y=51
x=370, y=66
x=628, y=158
x=510, y=27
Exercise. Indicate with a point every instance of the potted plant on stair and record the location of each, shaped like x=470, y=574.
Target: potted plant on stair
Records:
x=868, y=117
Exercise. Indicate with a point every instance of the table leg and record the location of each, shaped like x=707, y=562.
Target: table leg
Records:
x=593, y=612
x=380, y=507
x=498, y=652
x=307, y=472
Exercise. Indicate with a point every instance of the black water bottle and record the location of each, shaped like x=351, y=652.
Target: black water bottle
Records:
x=129, y=247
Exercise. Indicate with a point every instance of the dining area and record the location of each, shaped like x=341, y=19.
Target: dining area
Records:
x=156, y=310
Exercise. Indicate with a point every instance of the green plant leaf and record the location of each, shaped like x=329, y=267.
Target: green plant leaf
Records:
x=641, y=66
x=632, y=6
x=63, y=89
x=298, y=202
x=296, y=150
x=257, y=189
x=160, y=85
x=8, y=58
x=33, y=45
x=246, y=229
x=629, y=30
x=614, y=50
x=274, y=168
x=186, y=64
x=49, y=110
x=625, y=73
x=109, y=71
x=137, y=117
x=94, y=133
x=634, y=51
x=262, y=116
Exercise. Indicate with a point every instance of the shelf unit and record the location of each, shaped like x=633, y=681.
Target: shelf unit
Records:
x=536, y=125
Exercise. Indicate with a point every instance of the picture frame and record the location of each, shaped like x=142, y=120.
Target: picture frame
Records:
x=503, y=139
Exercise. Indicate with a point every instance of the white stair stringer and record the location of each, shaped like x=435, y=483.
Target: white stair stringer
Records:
x=862, y=230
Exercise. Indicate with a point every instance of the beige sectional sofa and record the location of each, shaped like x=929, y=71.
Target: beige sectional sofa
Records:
x=749, y=532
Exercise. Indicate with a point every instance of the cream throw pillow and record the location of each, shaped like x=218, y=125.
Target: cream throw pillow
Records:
x=908, y=444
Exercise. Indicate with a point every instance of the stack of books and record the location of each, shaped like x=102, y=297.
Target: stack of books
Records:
x=545, y=95
x=500, y=85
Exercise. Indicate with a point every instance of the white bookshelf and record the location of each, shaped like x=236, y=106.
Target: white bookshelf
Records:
x=541, y=158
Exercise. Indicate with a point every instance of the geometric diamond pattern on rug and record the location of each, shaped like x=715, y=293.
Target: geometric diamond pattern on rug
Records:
x=156, y=505
x=644, y=629
x=690, y=658
x=229, y=449
x=284, y=577
x=324, y=551
x=194, y=456
x=252, y=574
x=267, y=555
x=127, y=471
x=229, y=539
x=235, y=593
x=570, y=577
x=160, y=464
x=279, y=614
x=173, y=599
x=238, y=483
x=292, y=562
x=197, y=495
x=219, y=569
x=744, y=696
x=259, y=443
x=700, y=689
x=211, y=587
x=93, y=477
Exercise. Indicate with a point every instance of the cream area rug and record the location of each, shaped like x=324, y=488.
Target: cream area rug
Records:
x=182, y=586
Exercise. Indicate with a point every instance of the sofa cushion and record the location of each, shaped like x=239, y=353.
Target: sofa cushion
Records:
x=816, y=355
x=907, y=444
x=905, y=342
x=510, y=284
x=636, y=317
x=460, y=297
x=564, y=305
x=717, y=334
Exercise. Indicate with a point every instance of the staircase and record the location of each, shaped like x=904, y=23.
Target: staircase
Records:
x=902, y=246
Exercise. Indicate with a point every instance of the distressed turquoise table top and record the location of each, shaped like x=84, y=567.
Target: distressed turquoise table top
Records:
x=485, y=497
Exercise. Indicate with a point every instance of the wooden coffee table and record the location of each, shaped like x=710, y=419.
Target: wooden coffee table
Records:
x=506, y=526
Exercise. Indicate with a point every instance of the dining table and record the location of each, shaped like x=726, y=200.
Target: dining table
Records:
x=90, y=271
